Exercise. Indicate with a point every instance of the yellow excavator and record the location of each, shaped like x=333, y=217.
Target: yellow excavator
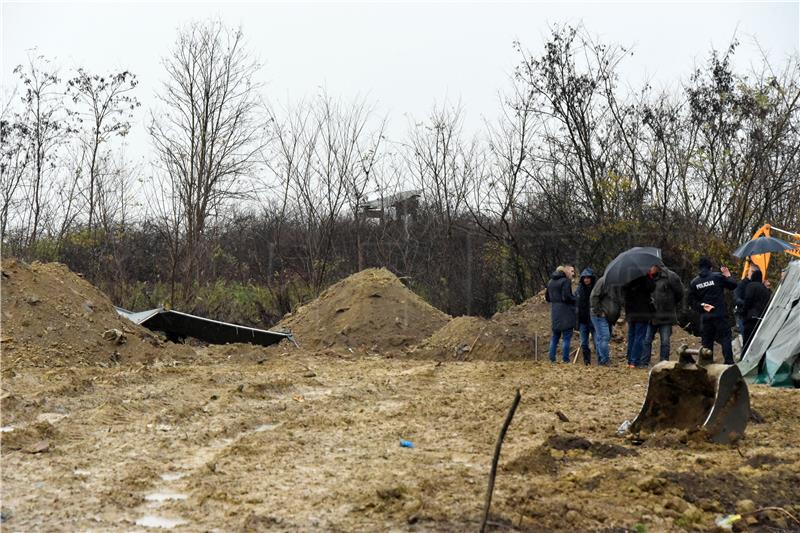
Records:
x=698, y=395
x=762, y=260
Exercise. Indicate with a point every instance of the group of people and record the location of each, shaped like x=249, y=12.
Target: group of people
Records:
x=652, y=303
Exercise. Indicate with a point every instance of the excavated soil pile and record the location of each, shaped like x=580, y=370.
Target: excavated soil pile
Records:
x=371, y=310
x=508, y=335
x=53, y=317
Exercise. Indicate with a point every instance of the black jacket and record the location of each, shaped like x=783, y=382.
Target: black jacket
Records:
x=638, y=299
x=756, y=298
x=667, y=297
x=562, y=302
x=738, y=296
x=709, y=287
x=582, y=294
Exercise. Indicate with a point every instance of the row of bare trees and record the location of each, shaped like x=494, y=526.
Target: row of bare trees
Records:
x=57, y=162
x=576, y=166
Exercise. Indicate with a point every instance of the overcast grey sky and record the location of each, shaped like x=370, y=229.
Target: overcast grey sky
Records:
x=403, y=56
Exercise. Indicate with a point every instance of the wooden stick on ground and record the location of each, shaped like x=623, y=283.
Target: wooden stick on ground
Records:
x=493, y=472
x=472, y=346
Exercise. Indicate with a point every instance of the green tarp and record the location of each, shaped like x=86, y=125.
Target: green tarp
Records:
x=772, y=355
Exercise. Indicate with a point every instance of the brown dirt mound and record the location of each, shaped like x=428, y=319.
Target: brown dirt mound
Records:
x=455, y=339
x=53, y=317
x=370, y=310
x=508, y=335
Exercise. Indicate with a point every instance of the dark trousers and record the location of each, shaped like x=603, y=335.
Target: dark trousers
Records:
x=750, y=327
x=717, y=329
x=586, y=330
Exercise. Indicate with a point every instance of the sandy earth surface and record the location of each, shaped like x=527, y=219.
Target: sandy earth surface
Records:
x=304, y=442
x=245, y=438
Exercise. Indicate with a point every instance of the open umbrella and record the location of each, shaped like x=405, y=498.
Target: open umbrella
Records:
x=631, y=264
x=762, y=245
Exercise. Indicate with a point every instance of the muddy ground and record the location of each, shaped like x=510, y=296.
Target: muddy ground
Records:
x=307, y=441
x=105, y=433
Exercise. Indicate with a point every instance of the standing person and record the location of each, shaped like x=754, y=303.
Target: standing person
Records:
x=605, y=309
x=638, y=311
x=582, y=294
x=756, y=298
x=706, y=296
x=562, y=310
x=738, y=299
x=667, y=297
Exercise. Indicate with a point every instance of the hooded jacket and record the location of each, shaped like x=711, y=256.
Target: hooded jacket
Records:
x=582, y=295
x=605, y=301
x=709, y=287
x=562, y=302
x=667, y=297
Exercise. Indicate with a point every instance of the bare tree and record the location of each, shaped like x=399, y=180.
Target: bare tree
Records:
x=15, y=157
x=746, y=156
x=106, y=108
x=439, y=159
x=324, y=155
x=509, y=171
x=45, y=127
x=206, y=133
x=574, y=83
x=358, y=160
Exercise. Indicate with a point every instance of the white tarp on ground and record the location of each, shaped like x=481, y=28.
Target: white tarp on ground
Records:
x=778, y=335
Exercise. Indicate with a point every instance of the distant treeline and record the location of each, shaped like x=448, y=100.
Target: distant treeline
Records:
x=250, y=209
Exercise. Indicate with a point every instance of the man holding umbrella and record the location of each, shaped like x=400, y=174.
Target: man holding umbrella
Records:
x=638, y=313
x=630, y=270
x=706, y=296
x=667, y=298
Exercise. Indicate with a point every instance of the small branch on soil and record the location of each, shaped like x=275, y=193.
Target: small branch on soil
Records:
x=493, y=472
x=472, y=346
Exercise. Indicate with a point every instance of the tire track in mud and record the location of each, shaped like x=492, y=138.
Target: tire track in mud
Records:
x=174, y=487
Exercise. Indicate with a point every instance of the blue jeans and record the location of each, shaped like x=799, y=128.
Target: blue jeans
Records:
x=565, y=335
x=586, y=330
x=636, y=333
x=602, y=336
x=665, y=332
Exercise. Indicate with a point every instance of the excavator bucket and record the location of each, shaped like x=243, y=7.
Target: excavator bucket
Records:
x=712, y=398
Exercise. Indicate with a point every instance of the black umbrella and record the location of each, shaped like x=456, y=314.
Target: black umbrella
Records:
x=762, y=245
x=631, y=264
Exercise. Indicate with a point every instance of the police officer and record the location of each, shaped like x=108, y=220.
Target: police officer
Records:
x=706, y=296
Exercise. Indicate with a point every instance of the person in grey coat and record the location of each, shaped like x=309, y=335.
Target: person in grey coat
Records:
x=562, y=310
x=667, y=298
x=605, y=307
